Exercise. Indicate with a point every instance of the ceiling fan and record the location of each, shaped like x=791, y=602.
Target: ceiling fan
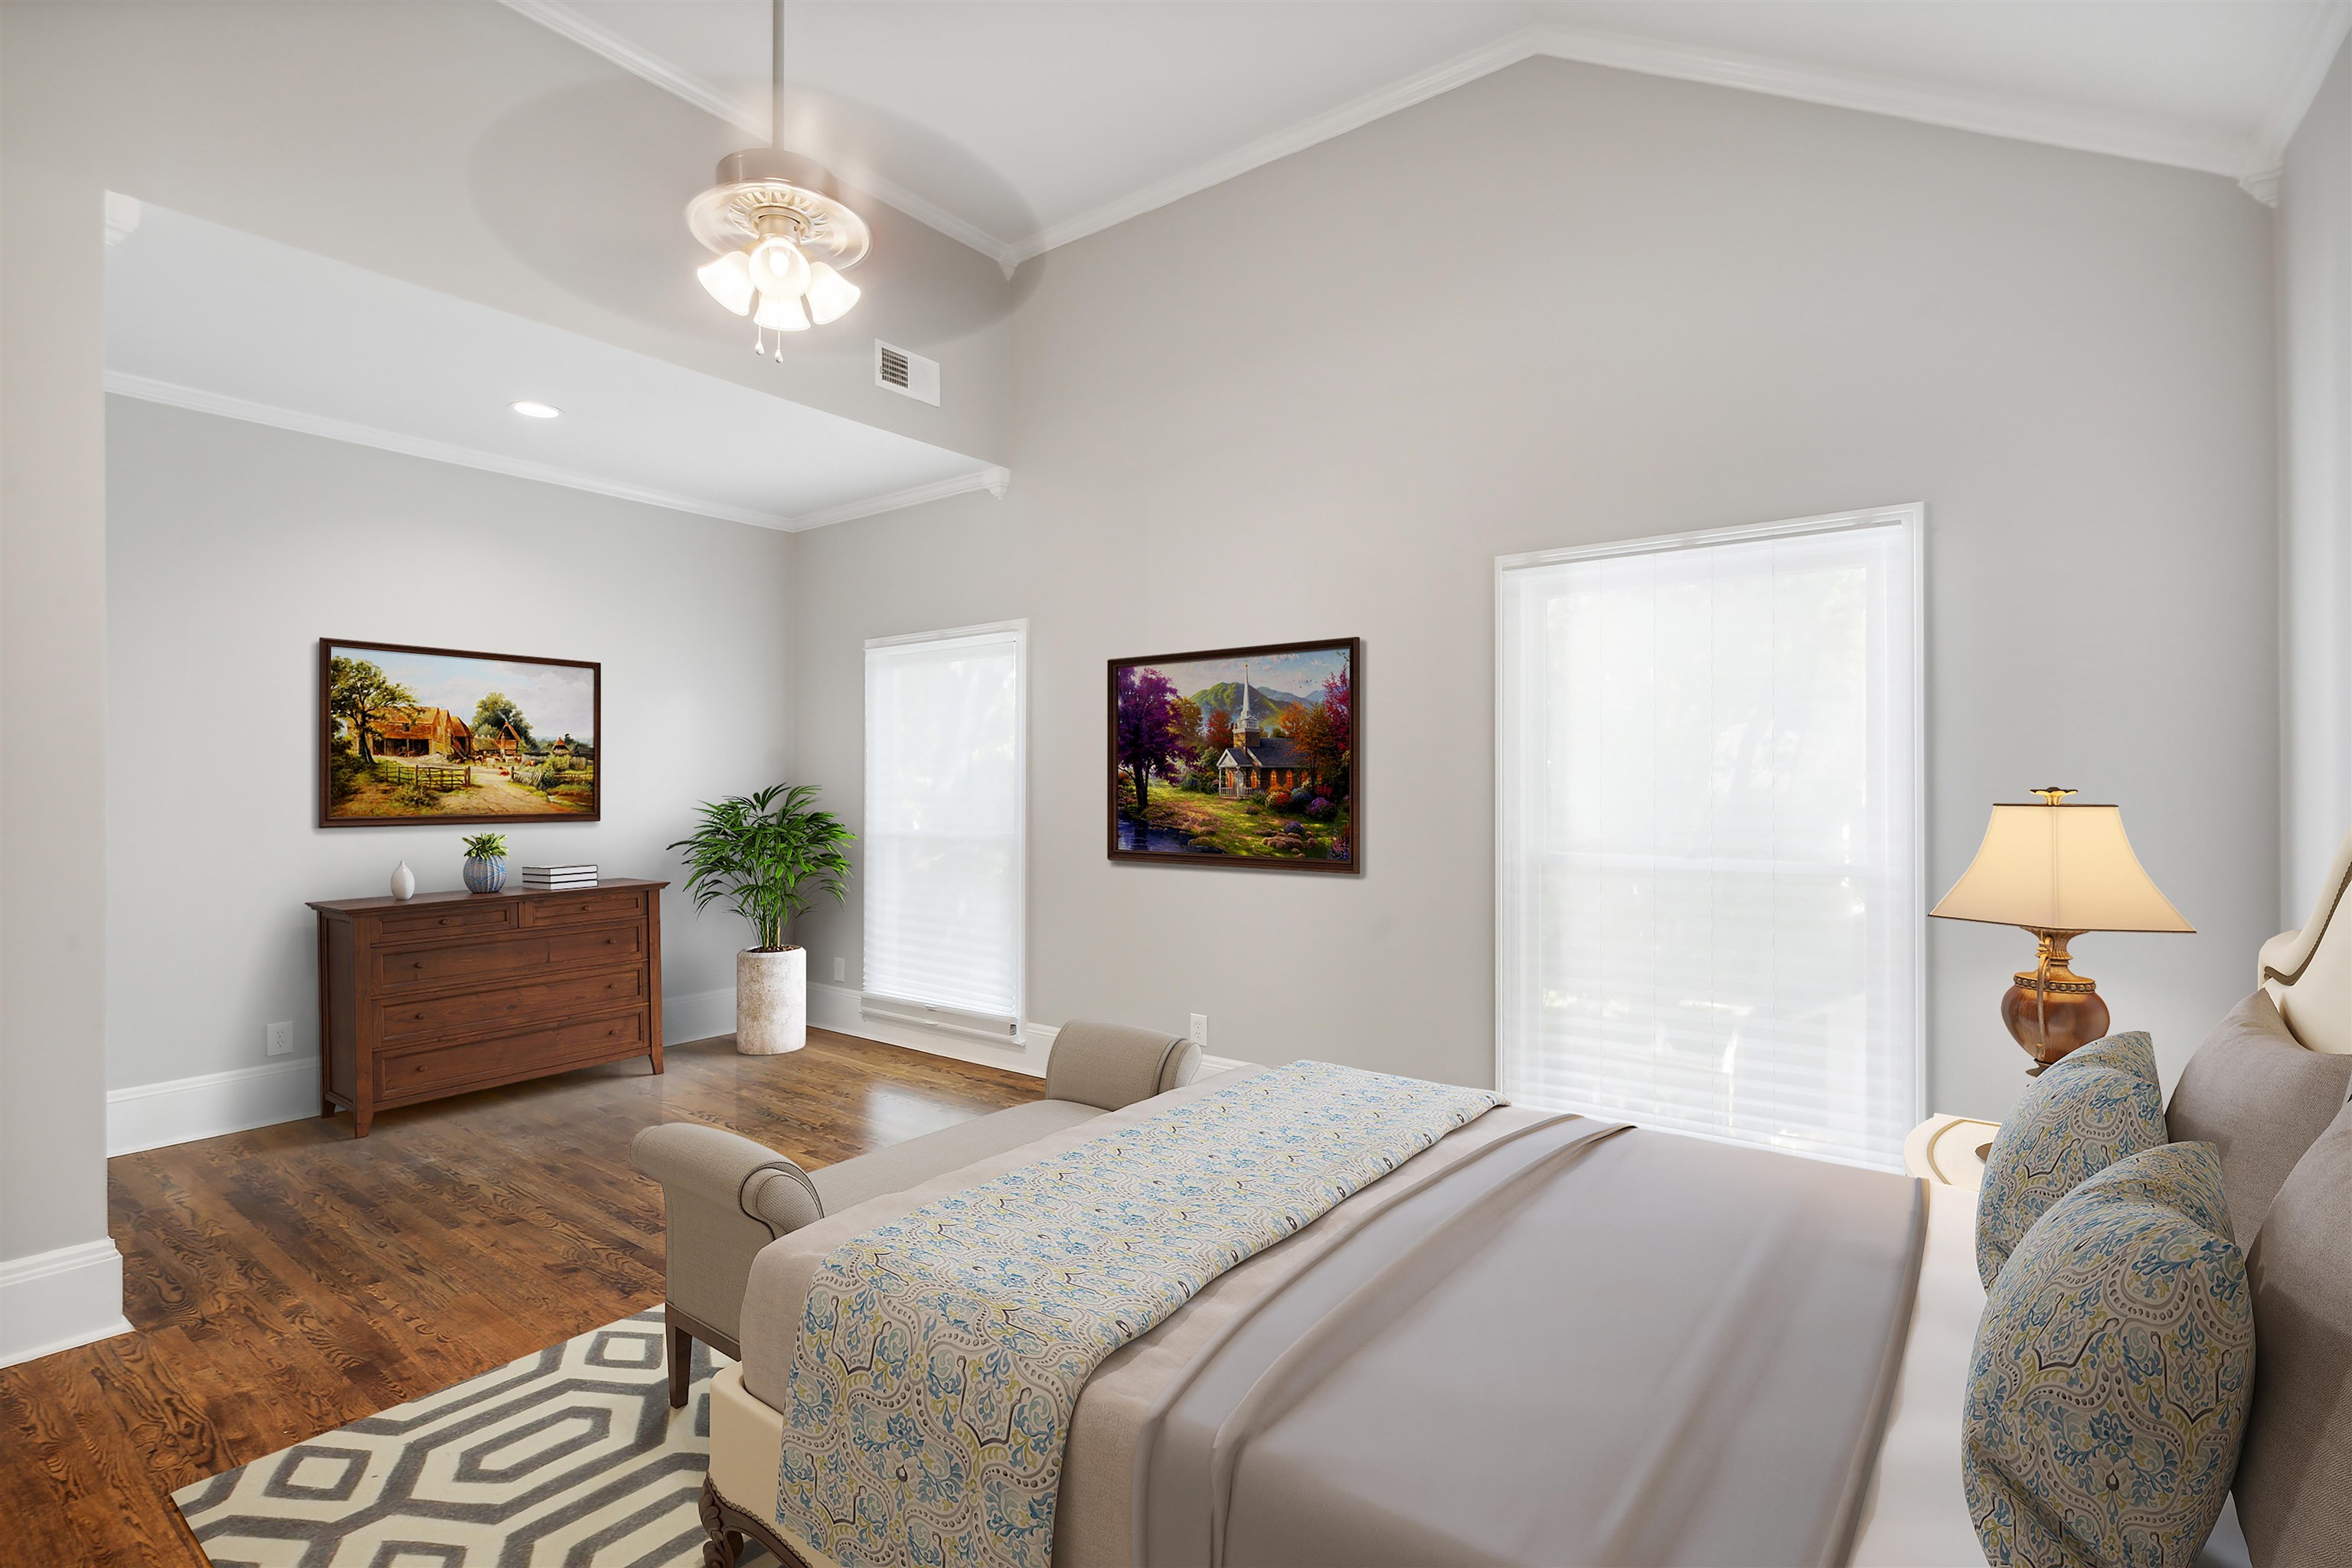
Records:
x=783, y=238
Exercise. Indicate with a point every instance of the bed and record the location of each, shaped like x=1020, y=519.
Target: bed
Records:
x=1882, y=1272
x=1546, y=1339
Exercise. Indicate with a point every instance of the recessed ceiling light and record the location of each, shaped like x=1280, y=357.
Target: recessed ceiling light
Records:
x=537, y=410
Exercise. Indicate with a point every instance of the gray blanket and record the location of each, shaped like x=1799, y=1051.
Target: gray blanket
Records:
x=1582, y=1345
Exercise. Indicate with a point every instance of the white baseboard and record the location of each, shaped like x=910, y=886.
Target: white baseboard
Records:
x=1210, y=1064
x=155, y=1115
x=181, y=1110
x=53, y=1301
x=152, y=1115
x=698, y=1015
x=835, y=1008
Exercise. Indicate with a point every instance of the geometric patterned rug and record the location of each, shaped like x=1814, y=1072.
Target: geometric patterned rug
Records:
x=568, y=1458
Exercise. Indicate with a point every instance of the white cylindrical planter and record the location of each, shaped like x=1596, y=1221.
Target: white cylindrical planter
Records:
x=771, y=1002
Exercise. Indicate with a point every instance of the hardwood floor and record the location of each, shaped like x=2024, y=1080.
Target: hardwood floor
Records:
x=287, y=1280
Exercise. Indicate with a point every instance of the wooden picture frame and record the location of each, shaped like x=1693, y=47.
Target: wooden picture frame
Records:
x=1203, y=770
x=391, y=755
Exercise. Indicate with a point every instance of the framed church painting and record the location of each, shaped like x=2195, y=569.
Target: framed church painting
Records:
x=1239, y=757
x=435, y=735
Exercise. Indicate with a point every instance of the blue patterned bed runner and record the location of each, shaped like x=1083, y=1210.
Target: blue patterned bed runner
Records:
x=940, y=1355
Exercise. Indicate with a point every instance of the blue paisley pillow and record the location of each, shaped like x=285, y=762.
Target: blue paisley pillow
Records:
x=2086, y=1112
x=2109, y=1388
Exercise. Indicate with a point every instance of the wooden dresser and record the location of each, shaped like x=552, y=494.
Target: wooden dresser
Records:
x=450, y=992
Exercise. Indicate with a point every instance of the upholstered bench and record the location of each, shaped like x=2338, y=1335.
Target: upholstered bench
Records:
x=726, y=1197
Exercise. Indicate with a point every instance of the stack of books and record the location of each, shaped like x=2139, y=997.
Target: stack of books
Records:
x=558, y=878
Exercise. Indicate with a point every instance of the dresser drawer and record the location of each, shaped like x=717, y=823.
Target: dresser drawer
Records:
x=432, y=1069
x=450, y=920
x=583, y=909
x=517, y=955
x=508, y=1007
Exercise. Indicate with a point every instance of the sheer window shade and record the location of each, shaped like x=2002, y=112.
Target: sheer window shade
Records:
x=944, y=855
x=1708, y=834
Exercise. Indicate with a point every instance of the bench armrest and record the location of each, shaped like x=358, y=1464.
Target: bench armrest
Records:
x=725, y=1198
x=1113, y=1065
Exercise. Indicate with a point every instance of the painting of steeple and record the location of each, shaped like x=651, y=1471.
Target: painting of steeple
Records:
x=1238, y=756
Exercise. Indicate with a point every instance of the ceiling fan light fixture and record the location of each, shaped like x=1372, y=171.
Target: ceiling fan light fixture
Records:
x=776, y=225
x=729, y=281
x=781, y=313
x=778, y=267
x=829, y=295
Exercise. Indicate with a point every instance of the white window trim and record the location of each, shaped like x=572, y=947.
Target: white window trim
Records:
x=922, y=1014
x=1912, y=519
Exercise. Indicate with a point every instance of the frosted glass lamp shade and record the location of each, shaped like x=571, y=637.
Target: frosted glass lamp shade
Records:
x=782, y=313
x=829, y=295
x=728, y=279
x=778, y=267
x=2059, y=868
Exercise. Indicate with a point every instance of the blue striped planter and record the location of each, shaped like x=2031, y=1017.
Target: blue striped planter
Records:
x=485, y=875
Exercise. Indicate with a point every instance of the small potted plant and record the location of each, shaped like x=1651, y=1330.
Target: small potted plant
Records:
x=486, y=862
x=769, y=854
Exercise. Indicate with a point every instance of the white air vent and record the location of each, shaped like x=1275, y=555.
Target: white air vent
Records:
x=898, y=371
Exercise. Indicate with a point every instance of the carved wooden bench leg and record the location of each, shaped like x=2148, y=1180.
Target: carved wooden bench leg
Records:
x=726, y=1525
x=725, y=1545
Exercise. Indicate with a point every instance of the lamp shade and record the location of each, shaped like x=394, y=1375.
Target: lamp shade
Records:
x=2059, y=868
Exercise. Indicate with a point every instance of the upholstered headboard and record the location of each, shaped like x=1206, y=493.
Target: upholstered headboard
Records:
x=2308, y=972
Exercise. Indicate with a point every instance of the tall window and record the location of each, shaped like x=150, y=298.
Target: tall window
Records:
x=1707, y=878
x=944, y=849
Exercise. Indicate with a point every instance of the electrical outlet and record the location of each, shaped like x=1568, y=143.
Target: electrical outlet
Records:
x=280, y=1039
x=1199, y=1030
x=840, y=971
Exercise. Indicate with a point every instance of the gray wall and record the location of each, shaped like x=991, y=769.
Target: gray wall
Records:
x=1298, y=406
x=231, y=548
x=2314, y=335
x=459, y=146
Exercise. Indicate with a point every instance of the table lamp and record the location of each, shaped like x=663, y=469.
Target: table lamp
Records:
x=2058, y=870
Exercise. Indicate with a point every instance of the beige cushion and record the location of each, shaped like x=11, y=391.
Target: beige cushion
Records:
x=2295, y=1480
x=2261, y=1099
x=918, y=1160
x=1114, y=1065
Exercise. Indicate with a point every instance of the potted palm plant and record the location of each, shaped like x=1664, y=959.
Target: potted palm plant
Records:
x=770, y=855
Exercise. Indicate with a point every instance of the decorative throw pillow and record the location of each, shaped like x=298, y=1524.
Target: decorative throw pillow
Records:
x=2109, y=1386
x=2295, y=1482
x=2087, y=1110
x=2253, y=1093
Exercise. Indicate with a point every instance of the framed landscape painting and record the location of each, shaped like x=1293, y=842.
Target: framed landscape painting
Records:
x=435, y=734
x=1239, y=757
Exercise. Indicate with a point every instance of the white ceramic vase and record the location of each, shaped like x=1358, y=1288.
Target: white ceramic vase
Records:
x=404, y=882
x=771, y=1002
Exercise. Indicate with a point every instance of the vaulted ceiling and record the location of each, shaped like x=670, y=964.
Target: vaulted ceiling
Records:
x=1016, y=125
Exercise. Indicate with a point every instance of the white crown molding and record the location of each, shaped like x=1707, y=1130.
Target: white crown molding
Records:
x=2315, y=52
x=2246, y=155
x=752, y=118
x=150, y=390
x=121, y=217
x=1348, y=116
x=2017, y=119
x=994, y=480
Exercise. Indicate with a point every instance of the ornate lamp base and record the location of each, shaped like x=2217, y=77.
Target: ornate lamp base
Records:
x=2050, y=1009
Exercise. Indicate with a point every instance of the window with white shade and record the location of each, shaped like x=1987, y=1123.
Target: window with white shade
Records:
x=1708, y=833
x=944, y=846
